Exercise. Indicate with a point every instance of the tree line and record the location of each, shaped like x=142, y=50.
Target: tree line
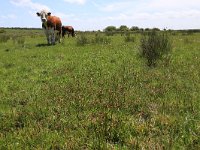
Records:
x=124, y=28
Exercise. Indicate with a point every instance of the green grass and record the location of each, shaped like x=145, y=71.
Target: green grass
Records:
x=98, y=96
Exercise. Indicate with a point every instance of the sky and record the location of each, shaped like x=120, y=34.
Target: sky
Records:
x=98, y=14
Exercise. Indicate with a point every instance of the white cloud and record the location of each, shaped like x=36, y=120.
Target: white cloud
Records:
x=173, y=13
x=65, y=17
x=142, y=13
x=114, y=6
x=80, y=2
x=150, y=5
x=173, y=4
x=182, y=19
x=192, y=14
x=9, y=16
x=29, y=4
x=4, y=19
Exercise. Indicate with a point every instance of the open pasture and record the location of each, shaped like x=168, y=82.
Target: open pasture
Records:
x=96, y=92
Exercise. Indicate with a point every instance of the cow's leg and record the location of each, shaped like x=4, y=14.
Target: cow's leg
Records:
x=52, y=35
x=60, y=36
x=47, y=35
x=63, y=34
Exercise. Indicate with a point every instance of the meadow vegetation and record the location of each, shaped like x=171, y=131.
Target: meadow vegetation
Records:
x=97, y=92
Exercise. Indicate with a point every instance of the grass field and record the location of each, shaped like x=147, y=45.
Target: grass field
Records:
x=98, y=96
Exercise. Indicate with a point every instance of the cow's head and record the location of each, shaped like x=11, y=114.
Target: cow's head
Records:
x=43, y=15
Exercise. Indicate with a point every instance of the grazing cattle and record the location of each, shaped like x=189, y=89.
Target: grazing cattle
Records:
x=68, y=30
x=51, y=25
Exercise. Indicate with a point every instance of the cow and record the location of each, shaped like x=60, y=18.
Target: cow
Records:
x=50, y=25
x=69, y=30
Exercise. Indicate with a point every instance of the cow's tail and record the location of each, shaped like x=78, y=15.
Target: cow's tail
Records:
x=73, y=32
x=63, y=31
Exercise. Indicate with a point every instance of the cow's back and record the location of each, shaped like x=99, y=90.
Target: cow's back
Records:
x=55, y=22
x=68, y=27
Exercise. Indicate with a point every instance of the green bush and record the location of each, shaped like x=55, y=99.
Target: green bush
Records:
x=154, y=45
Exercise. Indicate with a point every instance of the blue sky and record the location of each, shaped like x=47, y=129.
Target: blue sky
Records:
x=97, y=14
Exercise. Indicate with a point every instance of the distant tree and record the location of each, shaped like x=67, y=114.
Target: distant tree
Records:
x=123, y=28
x=110, y=29
x=156, y=29
x=134, y=28
x=141, y=29
x=147, y=29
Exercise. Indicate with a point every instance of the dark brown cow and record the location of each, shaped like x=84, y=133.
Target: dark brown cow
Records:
x=68, y=30
x=51, y=25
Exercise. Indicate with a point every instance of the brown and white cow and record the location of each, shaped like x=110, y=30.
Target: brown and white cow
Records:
x=51, y=25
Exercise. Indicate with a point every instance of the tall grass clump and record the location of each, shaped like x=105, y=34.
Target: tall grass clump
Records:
x=109, y=33
x=82, y=40
x=97, y=39
x=2, y=31
x=4, y=38
x=19, y=41
x=187, y=41
x=129, y=38
x=154, y=45
x=108, y=129
x=100, y=39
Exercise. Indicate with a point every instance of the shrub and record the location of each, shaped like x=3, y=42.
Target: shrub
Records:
x=154, y=45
